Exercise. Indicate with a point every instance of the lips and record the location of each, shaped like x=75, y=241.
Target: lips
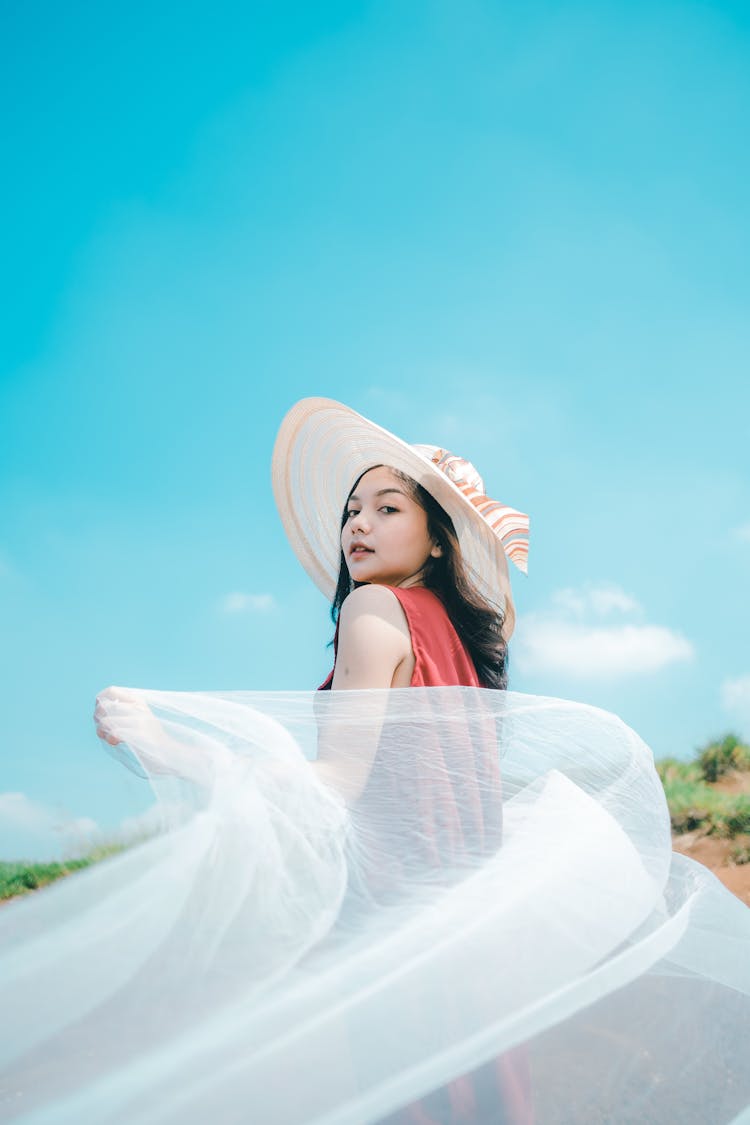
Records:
x=358, y=550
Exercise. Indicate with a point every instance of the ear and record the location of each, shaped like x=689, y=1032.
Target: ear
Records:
x=437, y=551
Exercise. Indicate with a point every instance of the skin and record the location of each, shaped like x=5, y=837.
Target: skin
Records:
x=386, y=543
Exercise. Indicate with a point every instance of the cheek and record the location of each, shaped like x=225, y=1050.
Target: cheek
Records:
x=415, y=542
x=418, y=534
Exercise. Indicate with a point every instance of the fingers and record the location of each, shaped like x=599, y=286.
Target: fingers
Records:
x=115, y=695
x=117, y=707
x=106, y=705
x=110, y=738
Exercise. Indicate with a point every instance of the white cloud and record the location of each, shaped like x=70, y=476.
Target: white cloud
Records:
x=154, y=820
x=596, y=651
x=34, y=831
x=735, y=695
x=573, y=640
x=742, y=533
x=239, y=602
x=600, y=600
x=17, y=809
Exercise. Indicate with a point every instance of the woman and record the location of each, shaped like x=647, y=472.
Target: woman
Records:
x=407, y=615
x=332, y=927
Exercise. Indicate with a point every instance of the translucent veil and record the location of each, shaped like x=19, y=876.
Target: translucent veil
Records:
x=412, y=906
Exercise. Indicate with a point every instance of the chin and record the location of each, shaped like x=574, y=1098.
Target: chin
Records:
x=363, y=575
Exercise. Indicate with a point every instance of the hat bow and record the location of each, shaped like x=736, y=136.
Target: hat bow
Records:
x=509, y=525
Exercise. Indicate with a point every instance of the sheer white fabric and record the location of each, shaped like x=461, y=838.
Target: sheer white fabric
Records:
x=360, y=897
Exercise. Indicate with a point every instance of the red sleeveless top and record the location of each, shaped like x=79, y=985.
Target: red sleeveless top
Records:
x=499, y=1091
x=440, y=658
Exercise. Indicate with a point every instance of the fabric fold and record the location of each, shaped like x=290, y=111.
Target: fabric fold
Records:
x=499, y=898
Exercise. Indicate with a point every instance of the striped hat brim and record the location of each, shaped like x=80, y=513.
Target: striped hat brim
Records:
x=323, y=446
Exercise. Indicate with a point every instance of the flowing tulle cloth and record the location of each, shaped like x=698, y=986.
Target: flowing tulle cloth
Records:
x=279, y=956
x=448, y=829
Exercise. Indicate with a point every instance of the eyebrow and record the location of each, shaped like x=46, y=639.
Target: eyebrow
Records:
x=380, y=492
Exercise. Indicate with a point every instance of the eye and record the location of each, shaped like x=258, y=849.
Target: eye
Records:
x=352, y=512
x=388, y=508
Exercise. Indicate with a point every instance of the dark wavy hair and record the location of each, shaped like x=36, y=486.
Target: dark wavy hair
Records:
x=477, y=623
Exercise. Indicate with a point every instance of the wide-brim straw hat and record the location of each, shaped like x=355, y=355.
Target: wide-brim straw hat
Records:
x=323, y=447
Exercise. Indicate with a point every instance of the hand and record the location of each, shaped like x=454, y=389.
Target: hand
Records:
x=121, y=715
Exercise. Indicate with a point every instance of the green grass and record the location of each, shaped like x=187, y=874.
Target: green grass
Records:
x=722, y=756
x=740, y=854
x=694, y=803
x=673, y=771
x=20, y=878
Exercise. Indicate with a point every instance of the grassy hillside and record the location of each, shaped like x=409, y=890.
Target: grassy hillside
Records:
x=20, y=878
x=708, y=796
x=712, y=792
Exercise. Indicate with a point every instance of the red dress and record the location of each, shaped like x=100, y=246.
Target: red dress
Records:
x=499, y=1091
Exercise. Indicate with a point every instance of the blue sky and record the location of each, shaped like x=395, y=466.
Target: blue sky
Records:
x=516, y=230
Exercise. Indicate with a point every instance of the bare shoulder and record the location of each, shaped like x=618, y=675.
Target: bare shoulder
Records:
x=374, y=638
x=372, y=600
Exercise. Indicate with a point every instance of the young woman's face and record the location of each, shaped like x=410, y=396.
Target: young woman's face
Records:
x=385, y=538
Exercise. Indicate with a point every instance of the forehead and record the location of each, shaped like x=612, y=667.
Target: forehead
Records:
x=375, y=481
x=379, y=477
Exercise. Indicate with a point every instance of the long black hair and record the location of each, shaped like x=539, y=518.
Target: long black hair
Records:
x=477, y=623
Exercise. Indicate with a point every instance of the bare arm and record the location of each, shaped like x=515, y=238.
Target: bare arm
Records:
x=374, y=641
x=124, y=716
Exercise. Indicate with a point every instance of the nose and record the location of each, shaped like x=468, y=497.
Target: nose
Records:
x=359, y=523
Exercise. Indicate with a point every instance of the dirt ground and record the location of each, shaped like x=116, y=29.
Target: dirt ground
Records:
x=721, y=855
x=717, y=855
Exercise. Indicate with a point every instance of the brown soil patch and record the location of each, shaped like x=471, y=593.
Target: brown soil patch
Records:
x=733, y=782
x=718, y=855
